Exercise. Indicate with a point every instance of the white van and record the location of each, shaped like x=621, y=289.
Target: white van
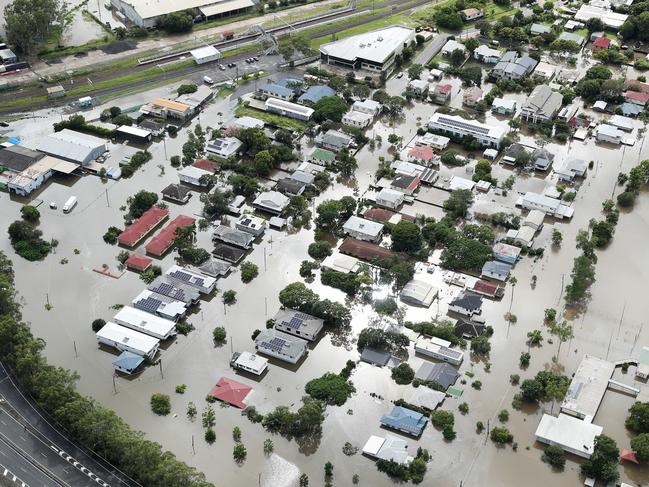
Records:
x=71, y=203
x=208, y=80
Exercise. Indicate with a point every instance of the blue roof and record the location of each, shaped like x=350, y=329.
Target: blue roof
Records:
x=495, y=267
x=128, y=361
x=279, y=90
x=315, y=93
x=289, y=81
x=405, y=420
x=630, y=108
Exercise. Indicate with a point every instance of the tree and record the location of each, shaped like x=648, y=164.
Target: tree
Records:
x=441, y=418
x=532, y=390
x=243, y=185
x=319, y=249
x=482, y=171
x=208, y=418
x=268, y=446
x=329, y=108
x=471, y=44
x=563, y=331
x=239, y=453
x=177, y=22
x=638, y=420
x=29, y=23
x=403, y=373
x=602, y=465
x=219, y=334
x=458, y=203
x=640, y=445
x=249, y=271
x=160, y=404
x=304, y=480
x=415, y=70
x=582, y=277
x=553, y=455
x=191, y=411
x=626, y=199
x=501, y=436
x=406, y=237
x=382, y=340
x=141, y=202
x=534, y=337
x=30, y=213
x=457, y=57
x=595, y=24
x=186, y=89
x=465, y=254
x=331, y=389
x=557, y=238
x=481, y=345
x=210, y=436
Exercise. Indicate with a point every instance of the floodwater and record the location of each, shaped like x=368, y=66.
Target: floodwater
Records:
x=612, y=326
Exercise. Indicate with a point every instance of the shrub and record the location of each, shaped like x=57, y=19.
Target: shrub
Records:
x=181, y=389
x=501, y=436
x=554, y=455
x=151, y=274
x=98, y=324
x=160, y=404
x=463, y=408
x=319, y=250
x=229, y=297
x=248, y=271
x=403, y=373
x=183, y=327
x=186, y=89
x=626, y=199
x=448, y=433
x=30, y=213
x=210, y=435
x=441, y=418
x=219, y=335
x=503, y=416
x=476, y=384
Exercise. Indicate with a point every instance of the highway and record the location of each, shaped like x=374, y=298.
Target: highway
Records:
x=36, y=449
x=19, y=471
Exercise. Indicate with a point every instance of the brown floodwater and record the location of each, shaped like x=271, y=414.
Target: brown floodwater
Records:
x=79, y=295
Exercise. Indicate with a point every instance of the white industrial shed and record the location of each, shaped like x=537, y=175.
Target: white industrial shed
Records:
x=205, y=54
x=73, y=146
x=127, y=340
x=419, y=292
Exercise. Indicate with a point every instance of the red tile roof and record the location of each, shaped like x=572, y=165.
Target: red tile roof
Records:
x=637, y=96
x=163, y=240
x=137, y=230
x=206, y=165
x=485, y=287
x=138, y=262
x=602, y=42
x=423, y=152
x=378, y=214
x=231, y=391
x=444, y=89
x=365, y=250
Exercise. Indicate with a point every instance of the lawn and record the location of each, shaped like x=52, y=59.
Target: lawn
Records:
x=582, y=32
x=270, y=118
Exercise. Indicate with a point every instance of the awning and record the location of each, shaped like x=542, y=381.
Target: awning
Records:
x=225, y=7
x=65, y=167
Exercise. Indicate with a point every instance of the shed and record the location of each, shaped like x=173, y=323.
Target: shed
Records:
x=205, y=54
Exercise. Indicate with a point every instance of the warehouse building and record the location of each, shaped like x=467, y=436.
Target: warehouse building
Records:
x=205, y=54
x=147, y=13
x=288, y=109
x=487, y=135
x=35, y=175
x=373, y=51
x=73, y=146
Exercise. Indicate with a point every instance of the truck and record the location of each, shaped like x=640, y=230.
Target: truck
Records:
x=70, y=204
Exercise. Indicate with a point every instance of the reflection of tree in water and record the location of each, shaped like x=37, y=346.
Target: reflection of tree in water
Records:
x=309, y=444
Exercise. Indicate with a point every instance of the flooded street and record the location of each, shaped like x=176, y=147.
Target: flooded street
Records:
x=612, y=327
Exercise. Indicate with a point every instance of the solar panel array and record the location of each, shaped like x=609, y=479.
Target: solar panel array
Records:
x=187, y=277
x=245, y=221
x=450, y=352
x=149, y=304
x=276, y=344
x=295, y=323
x=167, y=289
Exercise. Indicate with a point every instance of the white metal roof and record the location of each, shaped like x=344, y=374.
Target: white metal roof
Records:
x=131, y=338
x=138, y=132
x=224, y=7
x=361, y=225
x=289, y=107
x=71, y=145
x=144, y=322
x=571, y=434
x=376, y=46
x=252, y=362
x=205, y=51
x=587, y=387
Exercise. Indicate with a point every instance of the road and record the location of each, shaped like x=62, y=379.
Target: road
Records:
x=19, y=471
x=431, y=50
x=45, y=448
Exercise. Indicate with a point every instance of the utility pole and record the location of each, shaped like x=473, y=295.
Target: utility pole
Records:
x=114, y=385
x=193, y=449
x=107, y=201
x=76, y=355
x=160, y=364
x=164, y=143
x=265, y=259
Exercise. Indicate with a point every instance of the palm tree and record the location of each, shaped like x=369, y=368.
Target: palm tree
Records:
x=563, y=331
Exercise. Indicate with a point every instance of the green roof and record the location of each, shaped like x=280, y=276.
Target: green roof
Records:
x=323, y=154
x=454, y=391
x=644, y=356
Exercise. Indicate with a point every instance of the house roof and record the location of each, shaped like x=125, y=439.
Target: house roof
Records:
x=215, y=268
x=323, y=154
x=375, y=356
x=334, y=138
x=504, y=103
x=139, y=262
x=364, y=250
x=402, y=181
x=468, y=328
x=390, y=195
x=163, y=240
x=357, y=224
x=543, y=101
x=143, y=225
x=485, y=287
x=378, y=214
x=467, y=300
x=273, y=342
x=419, y=292
x=602, y=42
x=314, y=93
x=290, y=185
x=128, y=361
x=228, y=252
x=206, y=165
x=277, y=90
x=636, y=96
x=472, y=94
x=405, y=419
x=506, y=250
x=233, y=236
x=495, y=267
x=423, y=152
x=442, y=373
x=174, y=289
x=304, y=323
x=176, y=191
x=231, y=391
x=273, y=200
x=444, y=89
x=630, y=109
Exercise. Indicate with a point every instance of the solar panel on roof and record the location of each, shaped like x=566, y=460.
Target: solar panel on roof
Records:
x=245, y=221
x=295, y=323
x=151, y=305
x=183, y=276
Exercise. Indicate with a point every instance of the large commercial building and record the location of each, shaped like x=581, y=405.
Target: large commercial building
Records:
x=148, y=13
x=73, y=146
x=612, y=20
x=487, y=135
x=374, y=51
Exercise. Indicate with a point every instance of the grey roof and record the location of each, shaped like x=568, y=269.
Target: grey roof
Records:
x=18, y=158
x=510, y=62
x=233, y=236
x=128, y=361
x=181, y=292
x=290, y=185
x=303, y=322
x=176, y=191
x=228, y=252
x=215, y=268
x=304, y=177
x=334, y=138
x=540, y=29
x=406, y=420
x=569, y=36
x=442, y=373
x=468, y=328
x=495, y=267
x=630, y=109
x=277, y=90
x=513, y=150
x=314, y=93
x=402, y=181
x=273, y=341
x=70, y=145
x=543, y=102
x=467, y=300
x=542, y=159
x=375, y=356
x=272, y=200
